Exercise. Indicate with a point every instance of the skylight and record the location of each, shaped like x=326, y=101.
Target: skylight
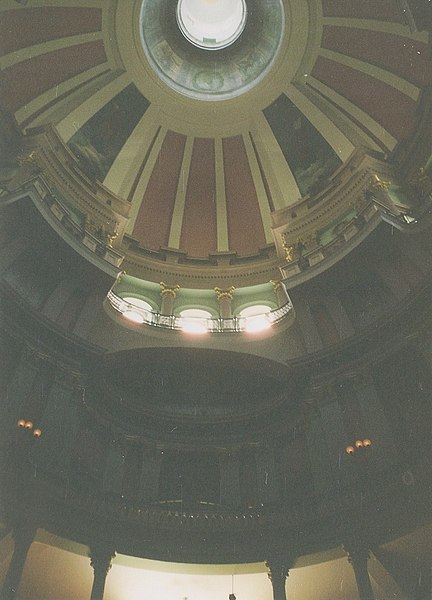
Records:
x=211, y=24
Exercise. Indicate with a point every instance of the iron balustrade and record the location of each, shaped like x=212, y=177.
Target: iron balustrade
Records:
x=212, y=324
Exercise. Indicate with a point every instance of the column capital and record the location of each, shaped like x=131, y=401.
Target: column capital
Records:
x=23, y=534
x=279, y=566
x=376, y=183
x=356, y=552
x=277, y=284
x=101, y=558
x=226, y=293
x=168, y=290
x=278, y=569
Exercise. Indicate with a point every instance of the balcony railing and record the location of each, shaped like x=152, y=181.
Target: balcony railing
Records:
x=197, y=324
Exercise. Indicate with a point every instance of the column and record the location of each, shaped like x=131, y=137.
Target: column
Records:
x=224, y=297
x=150, y=473
x=100, y=560
x=267, y=479
x=230, y=479
x=278, y=573
x=280, y=292
x=168, y=294
x=358, y=557
x=23, y=536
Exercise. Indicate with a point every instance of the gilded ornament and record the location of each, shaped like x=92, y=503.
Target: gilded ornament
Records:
x=27, y=159
x=167, y=290
x=379, y=184
x=289, y=251
x=222, y=294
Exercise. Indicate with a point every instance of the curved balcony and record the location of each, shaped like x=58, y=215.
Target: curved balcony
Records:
x=199, y=325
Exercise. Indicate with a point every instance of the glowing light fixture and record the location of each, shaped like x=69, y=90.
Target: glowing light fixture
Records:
x=23, y=424
x=358, y=445
x=255, y=318
x=134, y=316
x=211, y=24
x=194, y=321
x=137, y=310
x=138, y=303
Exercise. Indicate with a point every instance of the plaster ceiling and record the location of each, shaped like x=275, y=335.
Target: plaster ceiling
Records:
x=205, y=175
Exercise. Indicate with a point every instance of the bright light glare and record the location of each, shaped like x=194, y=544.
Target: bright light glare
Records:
x=194, y=326
x=194, y=320
x=255, y=318
x=211, y=24
x=256, y=324
x=255, y=310
x=134, y=316
x=138, y=303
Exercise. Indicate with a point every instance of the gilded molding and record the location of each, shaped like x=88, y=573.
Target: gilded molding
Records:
x=167, y=290
x=377, y=183
x=223, y=294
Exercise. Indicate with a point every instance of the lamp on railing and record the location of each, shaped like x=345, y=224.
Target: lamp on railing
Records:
x=253, y=319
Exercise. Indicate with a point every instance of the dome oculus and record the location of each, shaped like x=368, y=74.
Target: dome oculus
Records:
x=211, y=24
x=190, y=44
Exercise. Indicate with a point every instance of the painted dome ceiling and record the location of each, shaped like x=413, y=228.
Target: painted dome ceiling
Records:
x=207, y=145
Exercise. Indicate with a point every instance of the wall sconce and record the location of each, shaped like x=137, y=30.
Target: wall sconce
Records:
x=358, y=445
x=23, y=424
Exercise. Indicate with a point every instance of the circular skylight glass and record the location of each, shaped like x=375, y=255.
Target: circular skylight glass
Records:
x=211, y=24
